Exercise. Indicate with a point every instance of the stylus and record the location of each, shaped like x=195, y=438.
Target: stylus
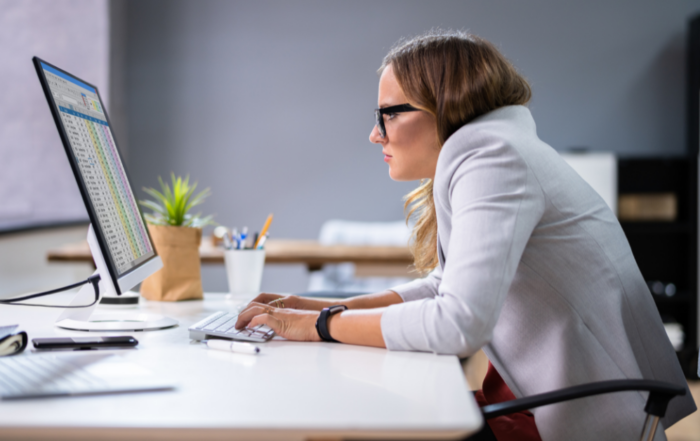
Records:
x=232, y=346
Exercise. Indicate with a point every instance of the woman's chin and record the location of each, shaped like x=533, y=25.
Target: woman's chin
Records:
x=392, y=174
x=397, y=176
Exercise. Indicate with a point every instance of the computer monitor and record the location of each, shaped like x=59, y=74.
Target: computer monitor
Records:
x=119, y=240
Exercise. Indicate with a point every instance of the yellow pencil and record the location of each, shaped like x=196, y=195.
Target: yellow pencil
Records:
x=264, y=231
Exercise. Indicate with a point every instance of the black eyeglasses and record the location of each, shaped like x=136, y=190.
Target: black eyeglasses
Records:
x=378, y=115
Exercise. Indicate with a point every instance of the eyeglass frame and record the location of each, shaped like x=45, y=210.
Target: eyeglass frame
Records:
x=379, y=115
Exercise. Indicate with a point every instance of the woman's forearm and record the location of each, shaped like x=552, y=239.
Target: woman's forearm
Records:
x=358, y=327
x=362, y=323
x=294, y=317
x=371, y=301
x=367, y=301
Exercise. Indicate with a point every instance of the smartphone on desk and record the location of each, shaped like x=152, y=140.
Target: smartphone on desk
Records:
x=84, y=343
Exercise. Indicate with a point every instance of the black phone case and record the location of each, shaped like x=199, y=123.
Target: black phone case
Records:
x=84, y=342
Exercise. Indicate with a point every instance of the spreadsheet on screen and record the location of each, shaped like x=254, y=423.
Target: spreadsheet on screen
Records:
x=101, y=169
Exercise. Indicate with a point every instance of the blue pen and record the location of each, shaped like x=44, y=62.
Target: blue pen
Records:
x=244, y=234
x=234, y=238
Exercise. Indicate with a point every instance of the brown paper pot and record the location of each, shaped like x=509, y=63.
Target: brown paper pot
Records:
x=181, y=277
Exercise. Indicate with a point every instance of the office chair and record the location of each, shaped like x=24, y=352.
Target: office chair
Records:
x=337, y=279
x=660, y=394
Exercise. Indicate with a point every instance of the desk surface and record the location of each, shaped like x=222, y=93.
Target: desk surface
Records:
x=291, y=390
x=308, y=252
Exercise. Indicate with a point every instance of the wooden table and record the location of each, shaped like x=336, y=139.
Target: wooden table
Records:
x=370, y=260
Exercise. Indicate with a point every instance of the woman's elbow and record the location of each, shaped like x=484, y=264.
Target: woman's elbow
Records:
x=464, y=345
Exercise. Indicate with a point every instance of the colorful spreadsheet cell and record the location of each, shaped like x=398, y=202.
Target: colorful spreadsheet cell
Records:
x=107, y=186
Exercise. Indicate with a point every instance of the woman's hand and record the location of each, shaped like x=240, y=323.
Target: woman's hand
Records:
x=292, y=302
x=291, y=324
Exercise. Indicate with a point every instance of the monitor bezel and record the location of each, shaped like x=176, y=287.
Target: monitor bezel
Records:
x=134, y=275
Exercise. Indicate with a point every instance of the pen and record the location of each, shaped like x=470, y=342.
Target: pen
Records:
x=234, y=239
x=264, y=230
x=227, y=241
x=244, y=234
x=232, y=346
x=261, y=244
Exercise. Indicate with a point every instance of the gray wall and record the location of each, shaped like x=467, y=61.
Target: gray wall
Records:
x=270, y=103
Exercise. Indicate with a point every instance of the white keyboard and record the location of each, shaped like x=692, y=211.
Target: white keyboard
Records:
x=223, y=324
x=47, y=375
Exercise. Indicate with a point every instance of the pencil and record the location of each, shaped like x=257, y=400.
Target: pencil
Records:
x=264, y=231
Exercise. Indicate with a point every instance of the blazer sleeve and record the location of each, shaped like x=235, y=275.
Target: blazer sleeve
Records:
x=426, y=287
x=495, y=203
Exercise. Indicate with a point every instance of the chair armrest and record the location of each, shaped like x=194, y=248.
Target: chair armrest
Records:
x=660, y=395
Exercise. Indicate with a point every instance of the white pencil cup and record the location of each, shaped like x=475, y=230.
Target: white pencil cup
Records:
x=244, y=270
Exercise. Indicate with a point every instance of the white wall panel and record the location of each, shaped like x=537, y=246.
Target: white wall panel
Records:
x=36, y=184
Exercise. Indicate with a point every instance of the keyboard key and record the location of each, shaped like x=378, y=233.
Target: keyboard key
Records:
x=7, y=387
x=230, y=329
x=226, y=325
x=202, y=323
x=216, y=323
x=223, y=324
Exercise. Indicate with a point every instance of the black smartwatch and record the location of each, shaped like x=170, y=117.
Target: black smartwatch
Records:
x=322, y=322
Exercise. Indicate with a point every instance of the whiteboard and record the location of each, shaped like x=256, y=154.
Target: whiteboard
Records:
x=37, y=187
x=599, y=170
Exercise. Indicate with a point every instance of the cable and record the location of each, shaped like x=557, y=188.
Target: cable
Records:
x=94, y=279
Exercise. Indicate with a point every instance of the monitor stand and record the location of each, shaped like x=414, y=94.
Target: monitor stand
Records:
x=83, y=319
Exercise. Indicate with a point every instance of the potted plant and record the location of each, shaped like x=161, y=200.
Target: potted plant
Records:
x=176, y=235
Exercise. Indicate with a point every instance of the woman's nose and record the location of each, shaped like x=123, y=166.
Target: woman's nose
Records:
x=374, y=136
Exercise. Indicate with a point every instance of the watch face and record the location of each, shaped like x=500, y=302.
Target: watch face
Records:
x=337, y=308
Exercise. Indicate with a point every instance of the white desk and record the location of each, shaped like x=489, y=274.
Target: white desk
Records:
x=290, y=391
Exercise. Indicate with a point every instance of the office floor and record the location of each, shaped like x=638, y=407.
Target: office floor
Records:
x=687, y=429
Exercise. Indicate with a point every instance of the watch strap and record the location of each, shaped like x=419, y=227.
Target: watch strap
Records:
x=322, y=322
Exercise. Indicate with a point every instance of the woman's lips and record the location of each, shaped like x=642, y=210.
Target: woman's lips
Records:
x=387, y=158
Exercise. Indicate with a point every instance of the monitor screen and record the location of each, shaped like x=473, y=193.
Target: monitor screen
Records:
x=95, y=158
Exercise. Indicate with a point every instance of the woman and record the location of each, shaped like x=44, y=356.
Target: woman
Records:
x=527, y=261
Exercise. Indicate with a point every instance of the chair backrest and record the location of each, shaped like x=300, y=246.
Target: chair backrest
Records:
x=342, y=277
x=340, y=232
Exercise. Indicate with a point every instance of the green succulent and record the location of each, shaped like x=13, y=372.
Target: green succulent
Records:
x=172, y=205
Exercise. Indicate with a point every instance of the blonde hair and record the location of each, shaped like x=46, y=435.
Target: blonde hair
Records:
x=456, y=77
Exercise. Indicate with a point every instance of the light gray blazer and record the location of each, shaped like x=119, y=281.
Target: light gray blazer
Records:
x=535, y=268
